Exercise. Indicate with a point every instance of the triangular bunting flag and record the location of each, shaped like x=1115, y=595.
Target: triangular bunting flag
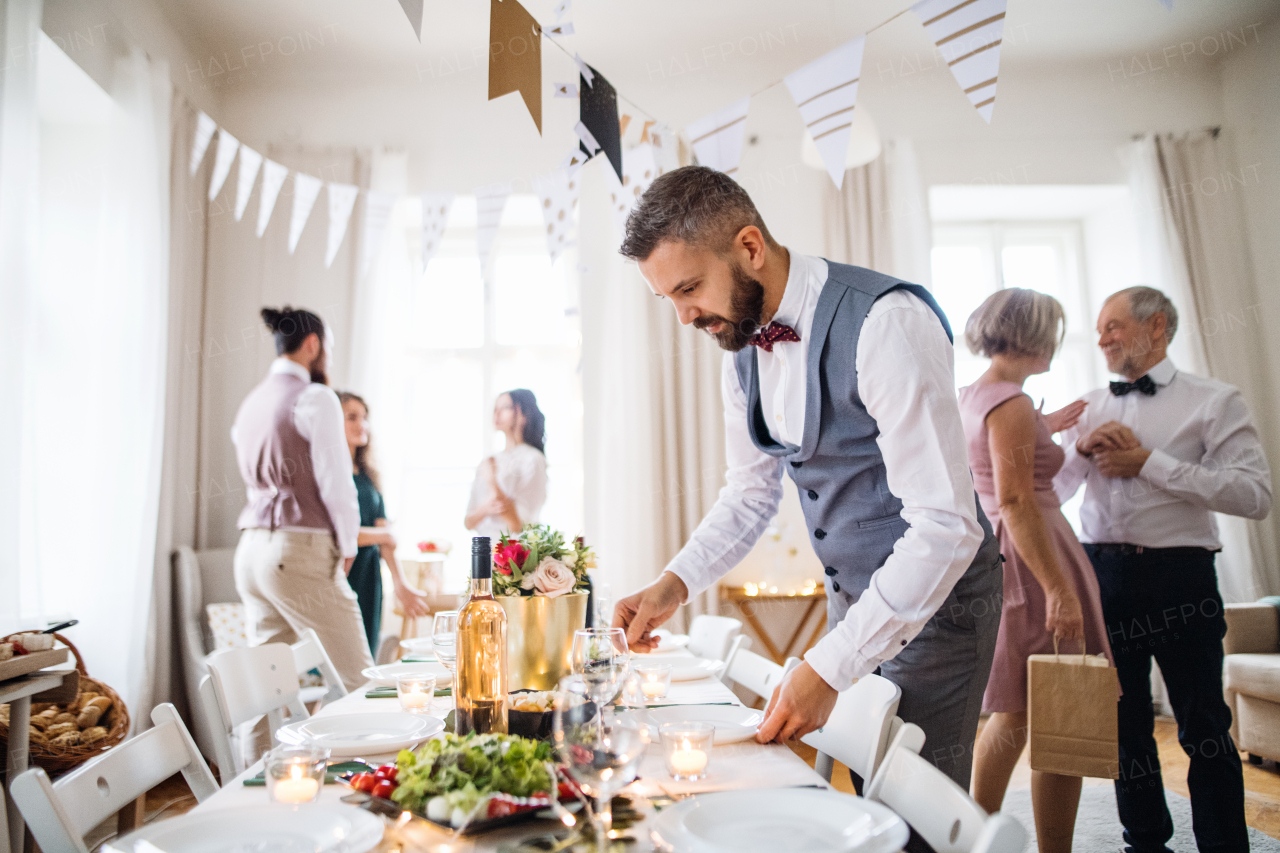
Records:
x=305, y=190
x=342, y=198
x=566, y=90
x=575, y=159
x=435, y=216
x=969, y=33
x=558, y=195
x=490, y=202
x=717, y=138
x=640, y=168
x=227, y=147
x=825, y=90
x=588, y=140
x=205, y=127
x=250, y=163
x=515, y=55
x=413, y=11
x=564, y=29
x=598, y=110
x=588, y=73
x=378, y=207
x=273, y=175
x=562, y=9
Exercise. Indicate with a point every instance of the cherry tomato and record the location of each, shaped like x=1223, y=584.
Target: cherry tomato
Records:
x=383, y=789
x=363, y=782
x=387, y=771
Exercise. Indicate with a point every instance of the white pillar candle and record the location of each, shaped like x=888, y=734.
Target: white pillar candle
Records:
x=415, y=700
x=688, y=761
x=296, y=788
x=653, y=689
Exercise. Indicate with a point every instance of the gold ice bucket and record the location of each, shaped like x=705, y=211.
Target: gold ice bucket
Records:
x=540, y=638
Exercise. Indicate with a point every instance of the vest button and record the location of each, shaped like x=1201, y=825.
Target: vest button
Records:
x=820, y=533
x=835, y=587
x=813, y=496
x=830, y=570
x=797, y=464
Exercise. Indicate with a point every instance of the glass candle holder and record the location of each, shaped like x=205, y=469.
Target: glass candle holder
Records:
x=655, y=679
x=295, y=774
x=416, y=691
x=686, y=748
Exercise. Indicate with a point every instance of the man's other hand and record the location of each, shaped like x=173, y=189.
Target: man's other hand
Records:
x=1112, y=435
x=642, y=612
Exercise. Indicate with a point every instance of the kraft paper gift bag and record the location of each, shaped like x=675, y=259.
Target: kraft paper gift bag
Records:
x=1071, y=714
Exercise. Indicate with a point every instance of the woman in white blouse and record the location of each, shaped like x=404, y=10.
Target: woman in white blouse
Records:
x=511, y=487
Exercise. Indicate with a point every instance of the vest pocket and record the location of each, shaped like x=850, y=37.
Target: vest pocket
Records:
x=879, y=522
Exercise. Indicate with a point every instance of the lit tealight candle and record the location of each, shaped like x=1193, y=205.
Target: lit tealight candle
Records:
x=688, y=761
x=296, y=788
x=653, y=689
x=414, y=700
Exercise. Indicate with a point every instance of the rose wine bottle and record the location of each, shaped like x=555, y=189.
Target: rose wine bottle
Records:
x=481, y=701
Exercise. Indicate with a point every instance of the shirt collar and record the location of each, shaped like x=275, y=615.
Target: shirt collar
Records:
x=288, y=365
x=1163, y=373
x=791, y=308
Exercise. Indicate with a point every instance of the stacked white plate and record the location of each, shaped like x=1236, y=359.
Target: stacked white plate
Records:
x=669, y=642
x=385, y=675
x=264, y=828
x=362, y=735
x=733, y=723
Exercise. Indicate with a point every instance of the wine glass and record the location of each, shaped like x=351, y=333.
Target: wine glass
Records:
x=600, y=656
x=444, y=640
x=602, y=755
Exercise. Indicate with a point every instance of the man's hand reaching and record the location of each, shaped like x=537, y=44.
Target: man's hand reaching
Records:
x=646, y=610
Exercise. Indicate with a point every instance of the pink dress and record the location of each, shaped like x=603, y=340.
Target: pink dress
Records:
x=1022, y=631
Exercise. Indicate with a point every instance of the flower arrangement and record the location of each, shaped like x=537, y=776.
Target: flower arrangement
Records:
x=540, y=561
x=435, y=546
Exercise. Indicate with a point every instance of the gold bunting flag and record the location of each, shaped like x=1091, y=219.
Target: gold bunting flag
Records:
x=515, y=55
x=968, y=33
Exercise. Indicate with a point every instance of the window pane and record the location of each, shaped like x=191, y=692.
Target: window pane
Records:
x=1033, y=268
x=960, y=282
x=448, y=304
x=529, y=301
x=447, y=413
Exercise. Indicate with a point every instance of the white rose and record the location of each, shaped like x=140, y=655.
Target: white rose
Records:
x=570, y=559
x=552, y=578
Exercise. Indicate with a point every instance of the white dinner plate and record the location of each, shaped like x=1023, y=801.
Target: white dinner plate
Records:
x=362, y=735
x=262, y=828
x=778, y=820
x=688, y=668
x=669, y=642
x=419, y=647
x=734, y=724
x=385, y=675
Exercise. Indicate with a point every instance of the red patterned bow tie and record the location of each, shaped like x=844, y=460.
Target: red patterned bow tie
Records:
x=774, y=333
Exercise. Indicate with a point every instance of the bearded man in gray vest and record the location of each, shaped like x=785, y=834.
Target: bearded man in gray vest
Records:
x=301, y=522
x=843, y=378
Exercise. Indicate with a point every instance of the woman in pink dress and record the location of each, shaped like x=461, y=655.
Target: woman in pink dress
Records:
x=1049, y=585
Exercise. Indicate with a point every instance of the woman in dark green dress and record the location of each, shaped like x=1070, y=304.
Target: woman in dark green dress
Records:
x=376, y=543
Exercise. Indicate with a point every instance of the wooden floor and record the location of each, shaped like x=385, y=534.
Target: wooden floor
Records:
x=1261, y=783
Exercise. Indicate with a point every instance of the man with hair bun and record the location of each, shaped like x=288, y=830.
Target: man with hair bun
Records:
x=843, y=378
x=302, y=519
x=1160, y=453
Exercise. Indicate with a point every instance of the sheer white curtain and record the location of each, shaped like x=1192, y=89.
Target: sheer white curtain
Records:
x=92, y=370
x=1191, y=230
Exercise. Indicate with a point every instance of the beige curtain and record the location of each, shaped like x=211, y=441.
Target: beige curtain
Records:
x=1187, y=202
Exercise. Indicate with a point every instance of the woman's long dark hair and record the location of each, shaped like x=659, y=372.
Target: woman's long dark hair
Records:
x=535, y=423
x=363, y=458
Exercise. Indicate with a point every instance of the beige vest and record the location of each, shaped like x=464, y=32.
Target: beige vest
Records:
x=275, y=460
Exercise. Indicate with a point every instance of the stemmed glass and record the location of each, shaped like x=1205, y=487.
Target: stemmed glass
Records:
x=601, y=753
x=444, y=640
x=600, y=656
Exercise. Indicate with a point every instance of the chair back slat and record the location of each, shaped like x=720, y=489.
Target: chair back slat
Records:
x=712, y=636
x=857, y=732
x=754, y=672
x=250, y=682
x=309, y=654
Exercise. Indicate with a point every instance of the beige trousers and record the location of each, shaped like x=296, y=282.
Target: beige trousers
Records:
x=290, y=582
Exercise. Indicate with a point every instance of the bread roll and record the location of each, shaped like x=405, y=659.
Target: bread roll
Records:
x=64, y=717
x=89, y=717
x=37, y=736
x=41, y=723
x=99, y=702
x=61, y=729
x=66, y=739
x=93, y=734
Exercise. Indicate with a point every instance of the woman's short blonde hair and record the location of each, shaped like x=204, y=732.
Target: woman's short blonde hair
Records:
x=1016, y=321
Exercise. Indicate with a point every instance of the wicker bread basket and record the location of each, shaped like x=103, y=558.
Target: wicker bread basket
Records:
x=59, y=759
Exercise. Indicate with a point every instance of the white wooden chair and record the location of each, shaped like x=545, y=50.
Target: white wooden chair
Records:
x=859, y=728
x=937, y=808
x=713, y=637
x=60, y=813
x=309, y=654
x=243, y=685
x=757, y=673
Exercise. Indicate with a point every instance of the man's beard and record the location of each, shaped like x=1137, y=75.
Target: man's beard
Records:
x=747, y=304
x=316, y=369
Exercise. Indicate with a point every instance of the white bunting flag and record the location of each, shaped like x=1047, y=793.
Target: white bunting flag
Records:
x=205, y=127
x=250, y=163
x=562, y=9
x=585, y=70
x=825, y=90
x=639, y=169
x=378, y=207
x=490, y=202
x=557, y=196
x=566, y=90
x=435, y=216
x=227, y=147
x=564, y=29
x=575, y=160
x=413, y=11
x=342, y=198
x=273, y=175
x=305, y=191
x=969, y=33
x=717, y=138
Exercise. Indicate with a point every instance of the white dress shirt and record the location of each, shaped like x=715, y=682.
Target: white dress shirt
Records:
x=317, y=416
x=522, y=476
x=906, y=381
x=1205, y=458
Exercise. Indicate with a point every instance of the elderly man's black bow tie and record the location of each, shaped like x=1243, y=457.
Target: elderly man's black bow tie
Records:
x=1145, y=384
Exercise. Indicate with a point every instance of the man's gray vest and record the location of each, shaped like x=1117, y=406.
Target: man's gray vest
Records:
x=854, y=519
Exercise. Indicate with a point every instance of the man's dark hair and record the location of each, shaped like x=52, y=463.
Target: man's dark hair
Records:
x=694, y=205
x=291, y=327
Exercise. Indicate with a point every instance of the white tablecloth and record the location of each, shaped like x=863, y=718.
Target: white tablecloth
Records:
x=742, y=765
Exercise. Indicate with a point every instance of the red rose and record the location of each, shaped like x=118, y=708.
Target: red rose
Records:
x=511, y=554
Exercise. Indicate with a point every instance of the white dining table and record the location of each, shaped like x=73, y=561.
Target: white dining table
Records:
x=733, y=766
